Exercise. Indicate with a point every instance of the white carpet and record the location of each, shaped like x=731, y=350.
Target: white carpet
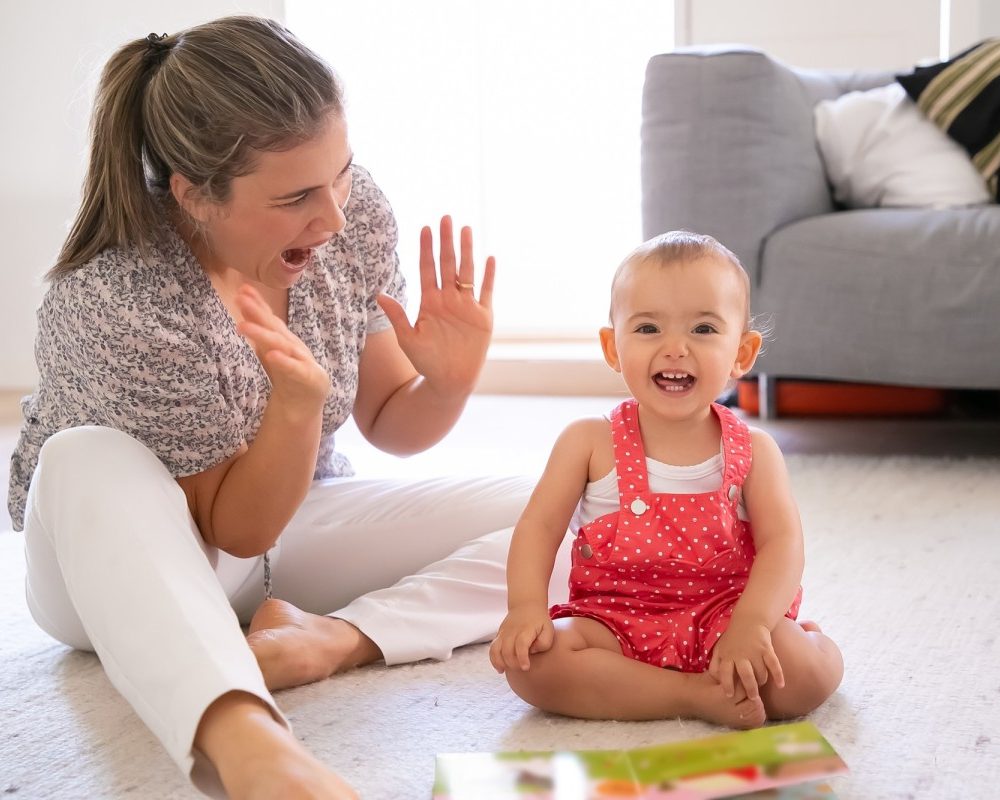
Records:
x=903, y=557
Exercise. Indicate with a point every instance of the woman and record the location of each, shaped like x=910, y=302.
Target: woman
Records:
x=228, y=295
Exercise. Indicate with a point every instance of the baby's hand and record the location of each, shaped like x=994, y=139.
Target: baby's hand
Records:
x=746, y=652
x=525, y=630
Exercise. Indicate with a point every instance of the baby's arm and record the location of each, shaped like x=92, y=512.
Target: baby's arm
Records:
x=539, y=532
x=745, y=649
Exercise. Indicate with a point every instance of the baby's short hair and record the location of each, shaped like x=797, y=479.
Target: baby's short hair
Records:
x=679, y=246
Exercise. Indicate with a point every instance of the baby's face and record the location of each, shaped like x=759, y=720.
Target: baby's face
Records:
x=678, y=333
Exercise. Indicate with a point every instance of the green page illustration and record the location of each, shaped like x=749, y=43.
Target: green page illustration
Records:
x=749, y=764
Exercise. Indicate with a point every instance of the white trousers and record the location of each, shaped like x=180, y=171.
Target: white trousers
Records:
x=115, y=564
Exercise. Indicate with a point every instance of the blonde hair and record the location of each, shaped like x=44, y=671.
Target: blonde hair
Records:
x=198, y=103
x=683, y=247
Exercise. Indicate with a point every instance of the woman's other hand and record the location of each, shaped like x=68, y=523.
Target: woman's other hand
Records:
x=447, y=344
x=297, y=381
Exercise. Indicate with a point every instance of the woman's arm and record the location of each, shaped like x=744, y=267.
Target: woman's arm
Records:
x=414, y=380
x=242, y=505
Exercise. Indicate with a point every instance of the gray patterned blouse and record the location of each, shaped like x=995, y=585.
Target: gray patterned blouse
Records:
x=148, y=348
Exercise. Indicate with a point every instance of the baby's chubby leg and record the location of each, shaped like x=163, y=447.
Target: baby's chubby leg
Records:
x=584, y=674
x=812, y=666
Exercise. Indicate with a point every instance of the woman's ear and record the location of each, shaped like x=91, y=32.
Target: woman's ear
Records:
x=189, y=198
x=610, y=350
x=747, y=354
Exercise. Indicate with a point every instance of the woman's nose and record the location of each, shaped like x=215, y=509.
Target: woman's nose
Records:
x=331, y=217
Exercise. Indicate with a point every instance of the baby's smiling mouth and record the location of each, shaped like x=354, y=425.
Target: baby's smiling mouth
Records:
x=674, y=380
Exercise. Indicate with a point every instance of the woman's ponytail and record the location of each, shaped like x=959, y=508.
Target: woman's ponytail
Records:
x=117, y=207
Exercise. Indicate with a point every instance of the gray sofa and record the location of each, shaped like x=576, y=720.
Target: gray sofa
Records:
x=891, y=296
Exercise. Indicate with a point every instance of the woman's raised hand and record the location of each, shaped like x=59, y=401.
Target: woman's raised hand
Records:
x=296, y=379
x=448, y=341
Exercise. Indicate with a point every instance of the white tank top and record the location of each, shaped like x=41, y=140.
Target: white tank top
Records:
x=600, y=497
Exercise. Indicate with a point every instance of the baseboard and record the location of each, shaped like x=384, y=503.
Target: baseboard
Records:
x=563, y=368
x=560, y=369
x=549, y=378
x=10, y=405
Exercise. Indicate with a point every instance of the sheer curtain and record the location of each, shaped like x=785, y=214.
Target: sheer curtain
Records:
x=520, y=119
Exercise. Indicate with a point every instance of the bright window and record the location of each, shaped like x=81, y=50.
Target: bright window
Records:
x=518, y=118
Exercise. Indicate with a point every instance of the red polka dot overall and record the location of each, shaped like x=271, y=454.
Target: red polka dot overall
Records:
x=664, y=571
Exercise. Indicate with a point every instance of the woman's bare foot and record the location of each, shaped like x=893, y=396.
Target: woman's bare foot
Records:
x=258, y=758
x=290, y=777
x=709, y=702
x=294, y=647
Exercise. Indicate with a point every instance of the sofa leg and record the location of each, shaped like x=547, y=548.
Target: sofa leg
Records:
x=767, y=397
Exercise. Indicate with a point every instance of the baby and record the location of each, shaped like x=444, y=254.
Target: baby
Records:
x=684, y=587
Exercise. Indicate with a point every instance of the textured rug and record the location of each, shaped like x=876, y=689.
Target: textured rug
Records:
x=903, y=556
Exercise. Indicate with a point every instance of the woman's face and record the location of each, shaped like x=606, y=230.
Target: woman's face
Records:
x=292, y=203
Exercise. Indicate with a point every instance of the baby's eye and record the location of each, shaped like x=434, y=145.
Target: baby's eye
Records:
x=647, y=328
x=705, y=328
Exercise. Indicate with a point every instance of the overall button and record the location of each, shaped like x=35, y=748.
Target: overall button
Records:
x=638, y=506
x=586, y=551
x=734, y=492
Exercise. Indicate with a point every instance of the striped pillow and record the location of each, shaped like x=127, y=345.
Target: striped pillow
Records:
x=962, y=97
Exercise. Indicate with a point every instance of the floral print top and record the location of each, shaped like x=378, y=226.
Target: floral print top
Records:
x=146, y=346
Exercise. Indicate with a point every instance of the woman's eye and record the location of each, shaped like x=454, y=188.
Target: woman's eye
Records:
x=296, y=202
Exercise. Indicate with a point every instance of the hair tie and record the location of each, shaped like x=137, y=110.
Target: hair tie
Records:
x=156, y=47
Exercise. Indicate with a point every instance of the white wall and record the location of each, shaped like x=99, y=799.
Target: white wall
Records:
x=50, y=52
x=50, y=55
x=847, y=34
x=990, y=17
x=971, y=21
x=520, y=119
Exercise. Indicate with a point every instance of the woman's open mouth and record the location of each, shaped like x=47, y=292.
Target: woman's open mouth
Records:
x=296, y=259
x=674, y=382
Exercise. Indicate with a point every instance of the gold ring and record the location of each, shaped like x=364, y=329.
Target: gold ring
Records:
x=459, y=285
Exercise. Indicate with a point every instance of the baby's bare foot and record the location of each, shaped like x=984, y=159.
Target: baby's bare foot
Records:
x=810, y=626
x=294, y=647
x=709, y=702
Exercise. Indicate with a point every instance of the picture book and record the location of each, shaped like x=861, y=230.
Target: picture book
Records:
x=779, y=762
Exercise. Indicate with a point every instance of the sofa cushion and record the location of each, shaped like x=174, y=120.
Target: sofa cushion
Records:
x=727, y=148
x=880, y=295
x=880, y=150
x=962, y=97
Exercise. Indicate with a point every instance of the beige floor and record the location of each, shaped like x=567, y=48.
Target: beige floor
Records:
x=902, y=559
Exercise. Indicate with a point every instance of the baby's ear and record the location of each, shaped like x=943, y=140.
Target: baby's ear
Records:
x=747, y=354
x=610, y=350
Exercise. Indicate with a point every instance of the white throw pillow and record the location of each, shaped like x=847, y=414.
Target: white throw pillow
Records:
x=880, y=150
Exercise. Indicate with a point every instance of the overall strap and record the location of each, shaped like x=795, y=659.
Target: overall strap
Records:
x=737, y=452
x=630, y=459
